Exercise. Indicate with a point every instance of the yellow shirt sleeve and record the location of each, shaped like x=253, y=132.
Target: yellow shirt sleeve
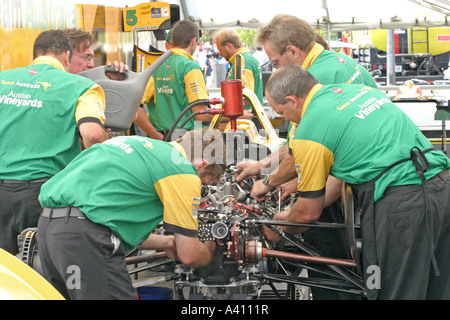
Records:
x=249, y=80
x=91, y=104
x=180, y=195
x=149, y=91
x=313, y=162
x=195, y=86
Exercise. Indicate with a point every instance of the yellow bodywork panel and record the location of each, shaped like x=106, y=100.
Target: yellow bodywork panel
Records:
x=18, y=281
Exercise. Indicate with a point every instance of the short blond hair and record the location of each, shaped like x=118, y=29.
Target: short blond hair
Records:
x=228, y=36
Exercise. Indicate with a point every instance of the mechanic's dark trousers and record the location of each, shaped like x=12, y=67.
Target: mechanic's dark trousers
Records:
x=404, y=250
x=19, y=210
x=83, y=260
x=330, y=243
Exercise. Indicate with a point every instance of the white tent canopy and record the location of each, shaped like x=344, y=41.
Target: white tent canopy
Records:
x=331, y=15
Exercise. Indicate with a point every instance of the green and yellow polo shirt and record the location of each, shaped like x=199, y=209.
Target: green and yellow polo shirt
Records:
x=354, y=132
x=130, y=184
x=178, y=82
x=40, y=107
x=330, y=67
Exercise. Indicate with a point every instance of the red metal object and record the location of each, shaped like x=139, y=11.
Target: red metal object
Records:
x=302, y=257
x=233, y=103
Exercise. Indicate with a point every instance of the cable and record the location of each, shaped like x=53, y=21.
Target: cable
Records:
x=207, y=111
x=193, y=104
x=192, y=115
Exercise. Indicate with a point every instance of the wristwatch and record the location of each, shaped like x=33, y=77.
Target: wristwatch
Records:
x=265, y=181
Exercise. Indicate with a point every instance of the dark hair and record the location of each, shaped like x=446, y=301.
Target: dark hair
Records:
x=55, y=42
x=183, y=33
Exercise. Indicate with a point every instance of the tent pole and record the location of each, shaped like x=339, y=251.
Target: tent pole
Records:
x=390, y=72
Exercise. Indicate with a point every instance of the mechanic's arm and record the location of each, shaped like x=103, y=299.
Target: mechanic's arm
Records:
x=286, y=172
x=305, y=210
x=92, y=133
x=145, y=124
x=194, y=253
x=161, y=242
x=252, y=169
x=180, y=195
x=333, y=190
x=90, y=116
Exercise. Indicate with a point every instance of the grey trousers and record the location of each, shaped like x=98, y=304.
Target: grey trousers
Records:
x=407, y=238
x=83, y=260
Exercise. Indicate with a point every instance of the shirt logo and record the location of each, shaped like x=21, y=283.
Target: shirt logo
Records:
x=299, y=173
x=341, y=60
x=195, y=206
x=44, y=84
x=32, y=72
x=338, y=90
x=149, y=145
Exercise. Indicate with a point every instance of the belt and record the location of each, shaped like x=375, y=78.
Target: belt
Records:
x=63, y=212
x=19, y=181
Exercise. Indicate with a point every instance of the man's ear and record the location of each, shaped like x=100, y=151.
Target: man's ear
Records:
x=200, y=163
x=291, y=98
x=66, y=60
x=294, y=51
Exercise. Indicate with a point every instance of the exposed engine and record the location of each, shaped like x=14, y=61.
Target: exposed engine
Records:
x=225, y=216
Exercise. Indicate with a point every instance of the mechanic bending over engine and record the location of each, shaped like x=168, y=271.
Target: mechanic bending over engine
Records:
x=44, y=111
x=401, y=182
x=111, y=197
x=288, y=39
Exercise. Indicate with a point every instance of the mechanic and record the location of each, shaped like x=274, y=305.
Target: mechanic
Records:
x=288, y=39
x=229, y=45
x=111, y=197
x=179, y=81
x=83, y=54
x=401, y=182
x=150, y=123
x=83, y=59
x=44, y=111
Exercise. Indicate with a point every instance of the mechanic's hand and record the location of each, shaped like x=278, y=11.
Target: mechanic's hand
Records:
x=273, y=236
x=259, y=191
x=249, y=169
x=270, y=235
x=248, y=114
x=110, y=133
x=119, y=68
x=157, y=136
x=287, y=189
